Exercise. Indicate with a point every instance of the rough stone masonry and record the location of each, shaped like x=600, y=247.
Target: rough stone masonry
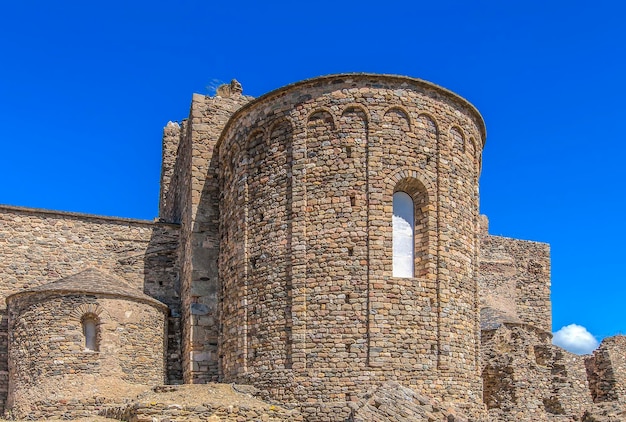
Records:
x=271, y=266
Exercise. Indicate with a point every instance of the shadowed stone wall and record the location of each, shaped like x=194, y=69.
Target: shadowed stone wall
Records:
x=606, y=369
x=192, y=197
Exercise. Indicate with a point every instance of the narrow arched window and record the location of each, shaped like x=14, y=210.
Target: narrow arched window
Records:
x=90, y=332
x=403, y=235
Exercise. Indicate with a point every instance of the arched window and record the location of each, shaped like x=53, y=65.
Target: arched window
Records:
x=403, y=235
x=90, y=332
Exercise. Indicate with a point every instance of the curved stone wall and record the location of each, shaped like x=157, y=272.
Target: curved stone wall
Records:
x=308, y=174
x=47, y=349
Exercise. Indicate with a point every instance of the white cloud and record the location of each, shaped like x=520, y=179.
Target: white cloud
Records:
x=402, y=247
x=576, y=339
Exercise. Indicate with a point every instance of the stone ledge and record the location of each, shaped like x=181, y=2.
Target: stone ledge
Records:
x=84, y=216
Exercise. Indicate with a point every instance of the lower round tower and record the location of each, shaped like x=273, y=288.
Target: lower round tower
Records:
x=84, y=339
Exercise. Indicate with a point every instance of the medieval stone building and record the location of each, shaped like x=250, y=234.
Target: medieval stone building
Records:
x=321, y=243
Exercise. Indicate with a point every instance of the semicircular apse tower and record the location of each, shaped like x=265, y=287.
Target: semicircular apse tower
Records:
x=348, y=233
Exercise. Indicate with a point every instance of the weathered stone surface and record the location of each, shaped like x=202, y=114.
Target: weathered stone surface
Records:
x=309, y=301
x=50, y=363
x=527, y=378
x=41, y=246
x=606, y=369
x=209, y=402
x=192, y=198
x=514, y=280
x=394, y=402
x=273, y=255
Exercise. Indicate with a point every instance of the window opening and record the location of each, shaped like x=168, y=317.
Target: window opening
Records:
x=403, y=235
x=90, y=332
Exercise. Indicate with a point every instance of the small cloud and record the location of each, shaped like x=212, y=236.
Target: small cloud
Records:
x=576, y=339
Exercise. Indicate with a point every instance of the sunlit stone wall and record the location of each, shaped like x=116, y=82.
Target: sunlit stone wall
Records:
x=311, y=309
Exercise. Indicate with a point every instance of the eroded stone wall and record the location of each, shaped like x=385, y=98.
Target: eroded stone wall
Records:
x=48, y=350
x=170, y=148
x=514, y=281
x=308, y=174
x=606, y=369
x=525, y=378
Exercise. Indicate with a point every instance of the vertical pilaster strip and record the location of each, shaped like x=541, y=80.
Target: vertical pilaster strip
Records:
x=246, y=260
x=299, y=249
x=438, y=195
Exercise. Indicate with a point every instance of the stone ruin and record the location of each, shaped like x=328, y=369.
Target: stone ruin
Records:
x=319, y=248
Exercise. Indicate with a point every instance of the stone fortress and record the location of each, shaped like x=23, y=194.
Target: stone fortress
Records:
x=286, y=262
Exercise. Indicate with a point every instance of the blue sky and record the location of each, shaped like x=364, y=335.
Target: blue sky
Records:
x=86, y=88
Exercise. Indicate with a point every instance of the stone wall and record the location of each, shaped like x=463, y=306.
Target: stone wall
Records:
x=47, y=348
x=170, y=147
x=40, y=246
x=4, y=358
x=175, y=175
x=606, y=369
x=193, y=200
x=525, y=378
x=310, y=309
x=514, y=281
x=207, y=402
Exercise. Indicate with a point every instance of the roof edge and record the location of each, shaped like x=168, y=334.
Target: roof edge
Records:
x=304, y=82
x=45, y=211
x=146, y=299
